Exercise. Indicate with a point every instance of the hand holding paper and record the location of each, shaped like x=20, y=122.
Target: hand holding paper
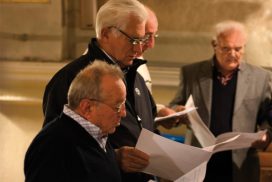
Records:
x=207, y=139
x=172, y=160
x=131, y=159
x=262, y=143
x=184, y=163
x=169, y=159
x=176, y=114
x=167, y=123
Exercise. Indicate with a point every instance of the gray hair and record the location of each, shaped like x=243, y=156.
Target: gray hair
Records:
x=87, y=83
x=117, y=13
x=227, y=26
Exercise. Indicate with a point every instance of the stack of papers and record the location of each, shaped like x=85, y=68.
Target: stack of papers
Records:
x=179, y=162
x=184, y=163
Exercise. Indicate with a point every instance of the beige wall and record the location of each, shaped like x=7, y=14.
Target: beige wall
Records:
x=21, y=90
x=184, y=28
x=53, y=31
x=31, y=31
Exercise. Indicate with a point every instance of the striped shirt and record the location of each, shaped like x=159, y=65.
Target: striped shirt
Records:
x=92, y=129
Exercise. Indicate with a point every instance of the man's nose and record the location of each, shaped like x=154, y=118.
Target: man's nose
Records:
x=232, y=52
x=123, y=111
x=151, y=42
x=138, y=48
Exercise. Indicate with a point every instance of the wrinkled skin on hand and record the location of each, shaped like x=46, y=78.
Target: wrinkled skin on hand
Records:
x=172, y=122
x=262, y=143
x=131, y=159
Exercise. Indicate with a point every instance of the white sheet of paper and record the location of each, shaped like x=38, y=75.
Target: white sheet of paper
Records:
x=225, y=141
x=185, y=111
x=169, y=159
x=195, y=175
x=242, y=140
x=184, y=163
x=201, y=131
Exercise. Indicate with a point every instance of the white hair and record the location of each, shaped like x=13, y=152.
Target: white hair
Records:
x=87, y=83
x=227, y=26
x=117, y=13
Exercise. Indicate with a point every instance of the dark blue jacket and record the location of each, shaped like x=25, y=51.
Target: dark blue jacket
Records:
x=140, y=106
x=64, y=151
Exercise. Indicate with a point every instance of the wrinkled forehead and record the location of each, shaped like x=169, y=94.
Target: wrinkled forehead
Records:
x=234, y=37
x=112, y=87
x=151, y=27
x=151, y=24
x=135, y=27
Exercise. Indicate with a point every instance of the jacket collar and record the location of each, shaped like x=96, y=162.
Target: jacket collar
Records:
x=94, y=49
x=95, y=52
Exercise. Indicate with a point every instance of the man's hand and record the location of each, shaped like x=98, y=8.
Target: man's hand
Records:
x=131, y=159
x=262, y=143
x=171, y=122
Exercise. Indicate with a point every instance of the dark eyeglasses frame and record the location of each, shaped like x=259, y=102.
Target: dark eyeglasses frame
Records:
x=116, y=109
x=133, y=41
x=226, y=50
x=149, y=35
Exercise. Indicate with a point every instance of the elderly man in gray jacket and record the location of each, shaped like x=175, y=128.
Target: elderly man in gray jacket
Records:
x=231, y=95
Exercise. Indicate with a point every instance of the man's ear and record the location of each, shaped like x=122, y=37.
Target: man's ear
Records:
x=213, y=43
x=105, y=33
x=85, y=106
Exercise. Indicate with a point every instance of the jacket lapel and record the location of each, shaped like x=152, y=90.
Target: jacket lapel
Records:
x=205, y=82
x=242, y=86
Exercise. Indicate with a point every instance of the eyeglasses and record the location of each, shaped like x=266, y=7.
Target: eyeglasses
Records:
x=117, y=109
x=133, y=41
x=150, y=35
x=226, y=50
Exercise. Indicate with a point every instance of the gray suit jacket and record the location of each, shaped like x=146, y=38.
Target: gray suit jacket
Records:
x=253, y=95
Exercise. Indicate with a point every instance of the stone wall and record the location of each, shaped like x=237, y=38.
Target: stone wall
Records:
x=52, y=31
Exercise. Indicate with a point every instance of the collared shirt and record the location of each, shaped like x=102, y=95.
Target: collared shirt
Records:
x=92, y=129
x=114, y=61
x=224, y=79
x=124, y=70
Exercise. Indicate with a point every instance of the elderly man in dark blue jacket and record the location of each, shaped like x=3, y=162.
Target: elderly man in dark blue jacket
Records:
x=75, y=147
x=120, y=36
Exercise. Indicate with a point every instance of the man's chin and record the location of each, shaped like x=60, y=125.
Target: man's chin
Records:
x=125, y=64
x=112, y=131
x=129, y=62
x=233, y=66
